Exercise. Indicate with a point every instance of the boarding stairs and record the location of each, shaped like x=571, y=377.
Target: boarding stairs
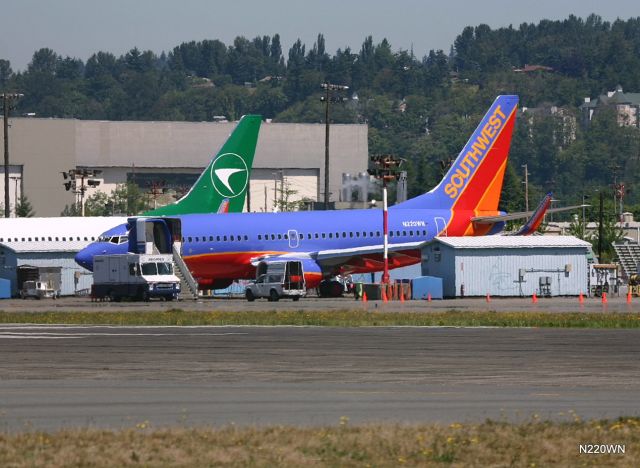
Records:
x=188, y=285
x=629, y=257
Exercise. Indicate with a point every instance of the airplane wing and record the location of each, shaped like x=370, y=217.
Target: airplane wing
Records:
x=519, y=215
x=224, y=206
x=352, y=260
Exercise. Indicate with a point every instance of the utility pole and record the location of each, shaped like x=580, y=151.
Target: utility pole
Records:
x=526, y=188
x=7, y=106
x=328, y=87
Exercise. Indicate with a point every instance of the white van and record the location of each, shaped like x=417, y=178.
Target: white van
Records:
x=278, y=279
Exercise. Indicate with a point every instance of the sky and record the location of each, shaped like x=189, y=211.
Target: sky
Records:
x=79, y=28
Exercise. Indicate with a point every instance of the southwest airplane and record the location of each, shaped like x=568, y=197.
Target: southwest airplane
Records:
x=221, y=186
x=220, y=249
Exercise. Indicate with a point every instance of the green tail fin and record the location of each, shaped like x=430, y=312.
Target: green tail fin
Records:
x=226, y=176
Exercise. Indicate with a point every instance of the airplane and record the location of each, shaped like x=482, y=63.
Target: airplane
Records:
x=221, y=249
x=221, y=186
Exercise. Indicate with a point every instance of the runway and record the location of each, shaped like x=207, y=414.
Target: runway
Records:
x=53, y=377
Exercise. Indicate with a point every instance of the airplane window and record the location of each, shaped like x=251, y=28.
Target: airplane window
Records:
x=210, y=238
x=49, y=238
x=77, y=238
x=424, y=232
x=218, y=238
x=259, y=236
x=316, y=235
x=331, y=235
x=378, y=233
x=286, y=236
x=357, y=234
x=1, y=239
x=344, y=234
x=246, y=237
x=390, y=233
x=93, y=238
x=411, y=233
x=404, y=233
x=224, y=238
x=56, y=239
x=371, y=234
x=231, y=238
x=189, y=239
x=29, y=239
x=64, y=239
x=273, y=237
x=86, y=238
x=323, y=235
x=337, y=235
x=279, y=236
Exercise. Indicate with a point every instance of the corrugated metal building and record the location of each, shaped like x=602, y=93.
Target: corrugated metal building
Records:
x=508, y=265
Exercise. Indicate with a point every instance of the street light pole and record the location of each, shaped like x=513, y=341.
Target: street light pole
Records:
x=327, y=98
x=7, y=106
x=387, y=169
x=526, y=188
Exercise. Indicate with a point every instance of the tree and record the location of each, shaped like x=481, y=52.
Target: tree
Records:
x=5, y=73
x=24, y=208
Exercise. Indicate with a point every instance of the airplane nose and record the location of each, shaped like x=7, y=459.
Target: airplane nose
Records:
x=84, y=258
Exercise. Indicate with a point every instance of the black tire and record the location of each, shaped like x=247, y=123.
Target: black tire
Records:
x=273, y=296
x=295, y=298
x=113, y=297
x=249, y=295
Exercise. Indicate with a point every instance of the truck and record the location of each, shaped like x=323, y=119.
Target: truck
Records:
x=38, y=290
x=134, y=276
x=277, y=279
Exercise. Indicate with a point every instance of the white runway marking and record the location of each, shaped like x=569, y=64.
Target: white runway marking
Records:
x=57, y=336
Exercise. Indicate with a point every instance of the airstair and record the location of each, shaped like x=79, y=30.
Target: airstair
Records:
x=188, y=285
x=628, y=256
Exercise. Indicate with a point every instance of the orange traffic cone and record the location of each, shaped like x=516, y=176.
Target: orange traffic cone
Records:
x=488, y=298
x=364, y=297
x=581, y=298
x=628, y=297
x=401, y=294
x=534, y=298
x=604, y=298
x=384, y=294
x=429, y=297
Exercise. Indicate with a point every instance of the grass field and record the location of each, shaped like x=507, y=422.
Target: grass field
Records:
x=331, y=318
x=531, y=444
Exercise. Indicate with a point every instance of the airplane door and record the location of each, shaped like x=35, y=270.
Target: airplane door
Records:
x=441, y=226
x=294, y=238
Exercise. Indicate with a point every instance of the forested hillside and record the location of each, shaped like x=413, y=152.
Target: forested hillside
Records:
x=421, y=106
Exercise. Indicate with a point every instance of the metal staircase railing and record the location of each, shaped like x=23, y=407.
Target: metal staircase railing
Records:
x=182, y=271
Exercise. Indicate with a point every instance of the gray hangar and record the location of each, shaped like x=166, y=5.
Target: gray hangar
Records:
x=508, y=265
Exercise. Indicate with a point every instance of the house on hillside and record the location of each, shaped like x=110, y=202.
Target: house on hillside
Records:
x=626, y=105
